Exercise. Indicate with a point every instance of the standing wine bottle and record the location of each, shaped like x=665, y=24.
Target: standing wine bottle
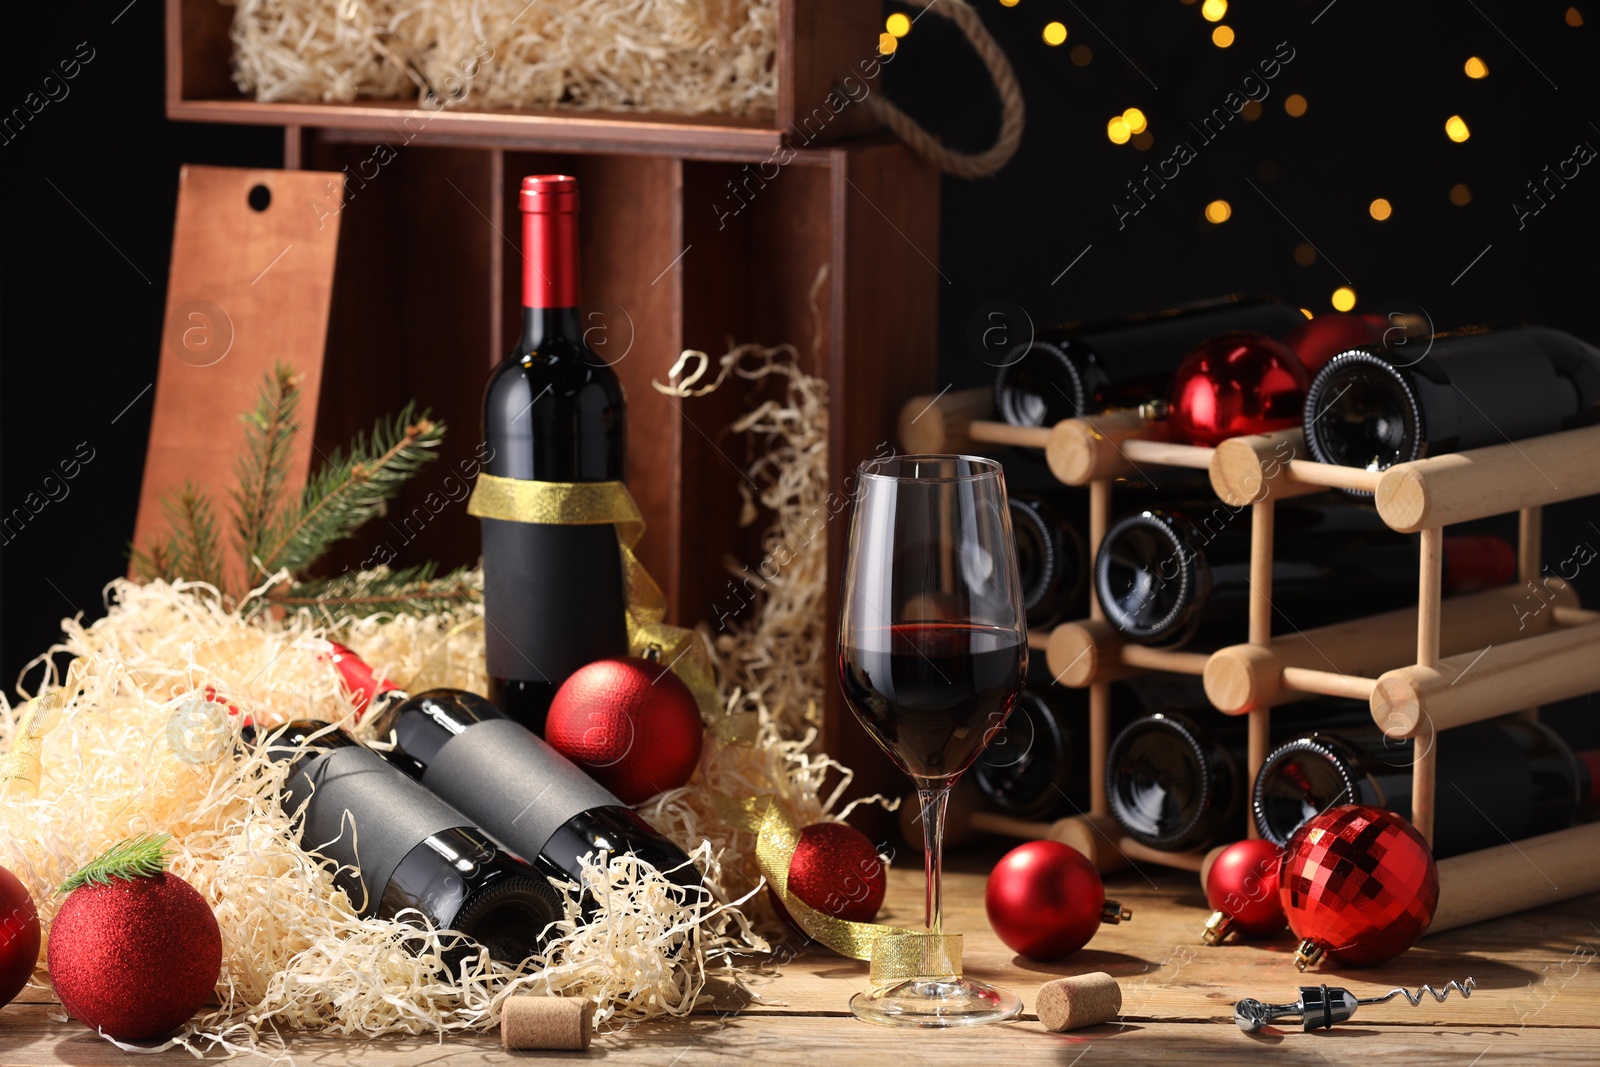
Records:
x=1052, y=560
x=1084, y=368
x=396, y=848
x=1375, y=407
x=525, y=794
x=1504, y=779
x=555, y=596
x=1174, y=574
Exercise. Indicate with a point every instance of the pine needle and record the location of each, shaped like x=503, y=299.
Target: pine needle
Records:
x=409, y=591
x=136, y=857
x=157, y=562
x=193, y=545
x=349, y=489
x=263, y=465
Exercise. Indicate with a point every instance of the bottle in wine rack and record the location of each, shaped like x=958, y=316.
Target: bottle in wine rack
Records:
x=1179, y=573
x=1504, y=779
x=525, y=794
x=555, y=596
x=1052, y=560
x=397, y=850
x=1085, y=368
x=1375, y=407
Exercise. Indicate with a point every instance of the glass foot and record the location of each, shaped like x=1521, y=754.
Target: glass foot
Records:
x=936, y=1002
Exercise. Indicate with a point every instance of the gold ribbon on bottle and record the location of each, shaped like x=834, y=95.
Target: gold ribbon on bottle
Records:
x=896, y=954
x=606, y=503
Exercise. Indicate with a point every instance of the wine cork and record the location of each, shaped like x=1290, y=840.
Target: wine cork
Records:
x=546, y=1023
x=1082, y=1000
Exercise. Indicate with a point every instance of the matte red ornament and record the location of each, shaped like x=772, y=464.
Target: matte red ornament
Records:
x=837, y=870
x=1319, y=339
x=137, y=957
x=1242, y=887
x=19, y=936
x=1236, y=384
x=1045, y=900
x=630, y=723
x=1358, y=884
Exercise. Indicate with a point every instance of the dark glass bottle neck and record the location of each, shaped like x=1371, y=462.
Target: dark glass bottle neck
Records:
x=425, y=723
x=542, y=325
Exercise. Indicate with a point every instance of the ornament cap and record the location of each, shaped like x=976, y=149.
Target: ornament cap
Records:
x=1217, y=928
x=1308, y=953
x=1115, y=913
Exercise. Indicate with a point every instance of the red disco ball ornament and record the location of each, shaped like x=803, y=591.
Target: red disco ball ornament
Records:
x=630, y=723
x=1319, y=339
x=1045, y=900
x=837, y=870
x=1236, y=384
x=1358, y=884
x=1242, y=889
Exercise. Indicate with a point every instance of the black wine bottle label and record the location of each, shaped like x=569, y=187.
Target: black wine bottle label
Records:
x=515, y=786
x=555, y=599
x=338, y=783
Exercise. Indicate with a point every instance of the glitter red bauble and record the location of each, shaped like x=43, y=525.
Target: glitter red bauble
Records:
x=19, y=936
x=1044, y=899
x=1236, y=384
x=1359, y=883
x=1243, y=885
x=1319, y=339
x=630, y=723
x=837, y=870
x=136, y=957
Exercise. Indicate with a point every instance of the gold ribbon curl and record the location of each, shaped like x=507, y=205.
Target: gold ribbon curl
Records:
x=596, y=504
x=896, y=954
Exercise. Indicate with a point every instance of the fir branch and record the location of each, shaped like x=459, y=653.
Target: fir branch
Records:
x=409, y=591
x=349, y=489
x=263, y=466
x=192, y=546
x=137, y=857
x=157, y=562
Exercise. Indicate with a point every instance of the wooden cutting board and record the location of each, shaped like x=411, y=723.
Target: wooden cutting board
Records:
x=252, y=272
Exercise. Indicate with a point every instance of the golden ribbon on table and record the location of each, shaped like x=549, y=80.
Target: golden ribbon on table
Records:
x=596, y=504
x=896, y=954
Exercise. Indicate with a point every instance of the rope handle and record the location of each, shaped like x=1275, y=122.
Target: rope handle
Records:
x=925, y=144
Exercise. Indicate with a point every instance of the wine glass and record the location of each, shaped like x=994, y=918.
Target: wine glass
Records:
x=933, y=649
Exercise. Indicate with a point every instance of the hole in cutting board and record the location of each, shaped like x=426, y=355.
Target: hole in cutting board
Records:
x=260, y=196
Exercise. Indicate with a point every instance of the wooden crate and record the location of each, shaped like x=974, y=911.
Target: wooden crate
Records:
x=819, y=43
x=1449, y=683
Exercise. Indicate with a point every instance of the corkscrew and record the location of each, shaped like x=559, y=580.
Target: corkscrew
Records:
x=1320, y=1007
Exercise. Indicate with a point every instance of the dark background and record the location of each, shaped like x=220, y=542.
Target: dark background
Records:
x=89, y=187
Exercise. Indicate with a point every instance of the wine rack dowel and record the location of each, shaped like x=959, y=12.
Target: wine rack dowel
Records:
x=1245, y=470
x=1327, y=476
x=1474, y=686
x=1084, y=450
x=1512, y=877
x=1530, y=552
x=1166, y=454
x=1242, y=677
x=939, y=424
x=1160, y=659
x=1089, y=651
x=1000, y=433
x=1463, y=486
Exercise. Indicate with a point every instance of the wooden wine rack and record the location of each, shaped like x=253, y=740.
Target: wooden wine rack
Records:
x=1481, y=660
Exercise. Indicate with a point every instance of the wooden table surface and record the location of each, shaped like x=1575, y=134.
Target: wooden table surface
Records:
x=1537, y=999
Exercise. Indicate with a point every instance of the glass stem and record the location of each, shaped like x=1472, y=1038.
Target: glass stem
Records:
x=934, y=801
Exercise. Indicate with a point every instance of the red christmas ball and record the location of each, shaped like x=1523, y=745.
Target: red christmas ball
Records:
x=1319, y=339
x=632, y=724
x=135, y=957
x=19, y=936
x=837, y=870
x=1236, y=384
x=1357, y=883
x=1045, y=900
x=1243, y=885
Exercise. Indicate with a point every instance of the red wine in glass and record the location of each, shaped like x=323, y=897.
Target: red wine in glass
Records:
x=932, y=693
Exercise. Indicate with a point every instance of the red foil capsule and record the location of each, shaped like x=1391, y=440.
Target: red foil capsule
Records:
x=363, y=683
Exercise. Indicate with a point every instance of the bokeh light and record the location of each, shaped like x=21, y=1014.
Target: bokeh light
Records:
x=1380, y=209
x=898, y=24
x=1476, y=68
x=1460, y=194
x=1219, y=211
x=1213, y=10
x=1118, y=131
x=1135, y=120
x=1344, y=298
x=1054, y=33
x=1222, y=36
x=1295, y=105
x=1455, y=128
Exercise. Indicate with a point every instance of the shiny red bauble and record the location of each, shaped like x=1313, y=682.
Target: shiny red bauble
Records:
x=1243, y=885
x=1319, y=339
x=19, y=936
x=1236, y=384
x=837, y=870
x=1357, y=883
x=136, y=957
x=1044, y=900
x=630, y=723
